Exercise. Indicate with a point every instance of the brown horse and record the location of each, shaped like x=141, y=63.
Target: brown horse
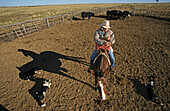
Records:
x=101, y=70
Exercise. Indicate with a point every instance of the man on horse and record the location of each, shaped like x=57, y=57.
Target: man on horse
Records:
x=103, y=38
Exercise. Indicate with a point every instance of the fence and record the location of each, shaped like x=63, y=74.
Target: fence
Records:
x=151, y=13
x=20, y=30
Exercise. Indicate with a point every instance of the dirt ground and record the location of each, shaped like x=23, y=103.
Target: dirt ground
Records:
x=141, y=50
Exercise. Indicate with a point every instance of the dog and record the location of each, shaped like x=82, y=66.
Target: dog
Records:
x=151, y=94
x=150, y=89
x=41, y=93
x=29, y=75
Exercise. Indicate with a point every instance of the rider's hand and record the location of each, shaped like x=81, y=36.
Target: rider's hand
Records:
x=108, y=38
x=108, y=44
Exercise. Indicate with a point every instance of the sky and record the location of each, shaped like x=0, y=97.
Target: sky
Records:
x=55, y=2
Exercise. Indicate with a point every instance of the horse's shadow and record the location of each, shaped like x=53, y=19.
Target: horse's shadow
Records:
x=3, y=108
x=48, y=61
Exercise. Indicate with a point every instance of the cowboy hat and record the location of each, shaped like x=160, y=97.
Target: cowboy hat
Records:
x=105, y=24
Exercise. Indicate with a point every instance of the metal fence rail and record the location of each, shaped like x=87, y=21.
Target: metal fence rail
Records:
x=151, y=13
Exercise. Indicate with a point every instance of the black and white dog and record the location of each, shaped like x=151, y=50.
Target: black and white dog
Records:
x=151, y=94
x=29, y=75
x=41, y=93
x=150, y=89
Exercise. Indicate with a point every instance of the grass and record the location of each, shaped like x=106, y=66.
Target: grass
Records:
x=12, y=15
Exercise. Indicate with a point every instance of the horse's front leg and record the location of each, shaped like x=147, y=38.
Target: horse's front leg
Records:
x=97, y=84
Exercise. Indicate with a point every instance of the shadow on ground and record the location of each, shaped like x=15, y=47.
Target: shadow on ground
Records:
x=48, y=61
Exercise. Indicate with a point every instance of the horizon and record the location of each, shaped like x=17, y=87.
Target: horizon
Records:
x=21, y=3
x=73, y=4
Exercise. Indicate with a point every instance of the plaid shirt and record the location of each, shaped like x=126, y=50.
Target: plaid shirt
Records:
x=100, y=37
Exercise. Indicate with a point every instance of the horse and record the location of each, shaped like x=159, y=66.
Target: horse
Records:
x=101, y=70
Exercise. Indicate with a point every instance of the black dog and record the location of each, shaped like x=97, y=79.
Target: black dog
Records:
x=151, y=94
x=150, y=89
x=29, y=75
x=41, y=93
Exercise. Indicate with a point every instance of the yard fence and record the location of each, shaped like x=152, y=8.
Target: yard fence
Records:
x=151, y=13
x=23, y=29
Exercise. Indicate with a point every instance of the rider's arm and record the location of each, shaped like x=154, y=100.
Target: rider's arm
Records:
x=112, y=38
x=98, y=40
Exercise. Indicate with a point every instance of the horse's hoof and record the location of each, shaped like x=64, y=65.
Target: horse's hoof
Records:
x=104, y=99
x=43, y=105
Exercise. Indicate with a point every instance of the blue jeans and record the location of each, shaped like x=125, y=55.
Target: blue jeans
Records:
x=112, y=58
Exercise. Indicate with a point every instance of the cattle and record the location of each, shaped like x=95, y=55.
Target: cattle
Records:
x=114, y=13
x=126, y=14
x=118, y=14
x=87, y=14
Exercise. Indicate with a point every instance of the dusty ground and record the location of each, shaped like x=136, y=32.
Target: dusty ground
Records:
x=63, y=51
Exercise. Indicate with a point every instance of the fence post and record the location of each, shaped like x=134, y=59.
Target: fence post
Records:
x=148, y=12
x=133, y=12
x=140, y=11
x=48, y=25
x=62, y=18
x=160, y=14
x=24, y=29
x=73, y=14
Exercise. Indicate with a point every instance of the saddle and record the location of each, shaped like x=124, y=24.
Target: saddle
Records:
x=103, y=52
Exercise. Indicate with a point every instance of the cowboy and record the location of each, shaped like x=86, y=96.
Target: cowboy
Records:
x=103, y=38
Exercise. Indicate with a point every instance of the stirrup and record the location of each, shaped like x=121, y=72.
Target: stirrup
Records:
x=90, y=69
x=112, y=70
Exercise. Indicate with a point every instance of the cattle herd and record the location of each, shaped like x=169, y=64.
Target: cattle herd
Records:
x=110, y=14
x=118, y=14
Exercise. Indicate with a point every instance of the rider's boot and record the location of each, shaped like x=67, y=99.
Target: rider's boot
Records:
x=112, y=70
x=90, y=68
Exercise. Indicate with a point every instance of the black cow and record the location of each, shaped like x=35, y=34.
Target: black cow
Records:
x=87, y=14
x=114, y=13
x=126, y=14
x=118, y=14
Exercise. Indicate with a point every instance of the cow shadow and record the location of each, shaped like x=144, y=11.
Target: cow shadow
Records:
x=76, y=18
x=159, y=18
x=107, y=17
x=140, y=88
x=101, y=16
